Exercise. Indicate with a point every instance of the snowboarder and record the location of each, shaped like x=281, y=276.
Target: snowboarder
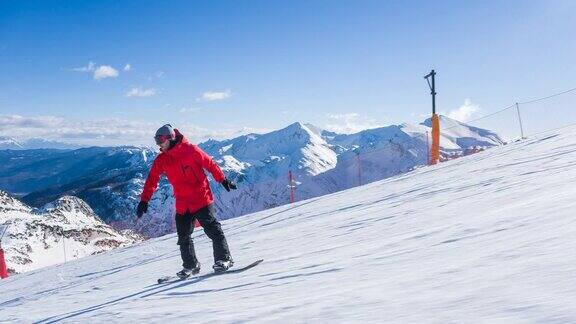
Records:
x=183, y=163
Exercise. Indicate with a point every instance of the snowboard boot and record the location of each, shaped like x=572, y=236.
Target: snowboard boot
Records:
x=223, y=265
x=185, y=272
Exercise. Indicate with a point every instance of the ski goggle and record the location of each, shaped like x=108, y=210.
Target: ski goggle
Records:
x=161, y=139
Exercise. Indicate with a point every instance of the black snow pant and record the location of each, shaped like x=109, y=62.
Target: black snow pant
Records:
x=212, y=228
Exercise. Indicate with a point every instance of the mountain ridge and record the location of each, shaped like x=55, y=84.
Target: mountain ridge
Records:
x=321, y=162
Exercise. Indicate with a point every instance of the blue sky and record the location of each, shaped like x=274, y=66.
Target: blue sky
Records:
x=111, y=72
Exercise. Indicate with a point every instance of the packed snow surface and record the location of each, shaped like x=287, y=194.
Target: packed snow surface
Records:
x=486, y=238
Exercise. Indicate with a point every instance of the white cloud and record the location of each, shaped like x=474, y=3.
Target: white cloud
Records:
x=347, y=116
x=222, y=133
x=190, y=109
x=419, y=115
x=156, y=75
x=215, y=95
x=16, y=122
x=106, y=132
x=43, y=126
x=88, y=68
x=464, y=112
x=100, y=72
x=84, y=132
x=105, y=71
x=139, y=92
x=350, y=123
x=127, y=67
x=290, y=115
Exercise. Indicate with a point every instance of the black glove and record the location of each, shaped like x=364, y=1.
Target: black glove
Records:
x=142, y=208
x=227, y=184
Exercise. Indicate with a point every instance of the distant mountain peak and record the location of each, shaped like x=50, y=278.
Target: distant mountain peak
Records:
x=9, y=143
x=296, y=127
x=443, y=120
x=325, y=134
x=463, y=134
x=9, y=203
x=68, y=204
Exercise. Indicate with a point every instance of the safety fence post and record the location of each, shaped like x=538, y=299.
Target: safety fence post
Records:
x=520, y=121
x=291, y=185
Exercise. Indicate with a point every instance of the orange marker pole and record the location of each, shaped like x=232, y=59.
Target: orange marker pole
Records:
x=435, y=149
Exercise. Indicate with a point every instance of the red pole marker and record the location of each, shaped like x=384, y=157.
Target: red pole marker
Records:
x=291, y=185
x=3, y=268
x=359, y=169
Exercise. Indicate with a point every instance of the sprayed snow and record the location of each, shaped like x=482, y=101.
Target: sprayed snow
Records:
x=485, y=238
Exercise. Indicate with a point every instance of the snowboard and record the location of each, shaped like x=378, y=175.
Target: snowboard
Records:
x=174, y=278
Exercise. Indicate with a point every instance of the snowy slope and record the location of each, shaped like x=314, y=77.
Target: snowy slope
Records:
x=485, y=238
x=61, y=230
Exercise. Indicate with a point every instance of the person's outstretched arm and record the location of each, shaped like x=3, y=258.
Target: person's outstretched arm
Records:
x=149, y=187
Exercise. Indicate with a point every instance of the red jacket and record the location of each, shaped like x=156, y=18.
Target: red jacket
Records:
x=184, y=166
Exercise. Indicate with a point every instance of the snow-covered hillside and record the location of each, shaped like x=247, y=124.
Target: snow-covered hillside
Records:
x=485, y=238
x=64, y=229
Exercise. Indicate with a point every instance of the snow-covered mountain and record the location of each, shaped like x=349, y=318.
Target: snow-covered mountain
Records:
x=267, y=156
x=9, y=143
x=459, y=139
x=324, y=162
x=66, y=229
x=321, y=162
x=488, y=238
